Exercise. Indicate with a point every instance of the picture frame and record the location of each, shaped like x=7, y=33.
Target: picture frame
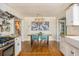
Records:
x=40, y=26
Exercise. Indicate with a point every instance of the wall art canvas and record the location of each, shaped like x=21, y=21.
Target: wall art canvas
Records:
x=41, y=26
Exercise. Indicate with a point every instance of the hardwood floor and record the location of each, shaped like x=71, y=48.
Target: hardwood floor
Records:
x=40, y=50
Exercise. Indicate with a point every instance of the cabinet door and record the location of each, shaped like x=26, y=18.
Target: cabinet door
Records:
x=62, y=46
x=76, y=14
x=69, y=16
x=17, y=45
x=72, y=15
x=70, y=51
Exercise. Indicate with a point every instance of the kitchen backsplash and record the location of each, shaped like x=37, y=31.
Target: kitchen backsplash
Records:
x=73, y=30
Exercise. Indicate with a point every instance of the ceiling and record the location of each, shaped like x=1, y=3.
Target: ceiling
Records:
x=43, y=9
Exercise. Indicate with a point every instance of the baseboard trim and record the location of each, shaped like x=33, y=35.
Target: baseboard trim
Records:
x=19, y=53
x=62, y=53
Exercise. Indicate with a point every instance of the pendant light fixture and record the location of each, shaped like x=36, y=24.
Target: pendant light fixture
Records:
x=39, y=18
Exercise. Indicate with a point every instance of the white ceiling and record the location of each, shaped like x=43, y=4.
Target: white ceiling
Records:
x=43, y=9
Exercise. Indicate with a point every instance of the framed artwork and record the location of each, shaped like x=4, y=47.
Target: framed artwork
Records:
x=41, y=26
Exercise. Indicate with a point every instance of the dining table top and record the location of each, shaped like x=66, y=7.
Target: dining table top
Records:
x=39, y=35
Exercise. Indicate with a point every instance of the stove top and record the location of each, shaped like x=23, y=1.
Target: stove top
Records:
x=5, y=40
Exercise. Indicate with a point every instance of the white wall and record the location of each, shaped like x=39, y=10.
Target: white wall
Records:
x=26, y=28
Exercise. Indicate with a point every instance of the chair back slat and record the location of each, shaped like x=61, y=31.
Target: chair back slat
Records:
x=44, y=37
x=35, y=37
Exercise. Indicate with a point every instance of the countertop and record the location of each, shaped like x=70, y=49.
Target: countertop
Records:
x=8, y=36
x=73, y=40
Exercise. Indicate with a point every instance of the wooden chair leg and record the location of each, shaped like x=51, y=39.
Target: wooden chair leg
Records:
x=47, y=42
x=31, y=43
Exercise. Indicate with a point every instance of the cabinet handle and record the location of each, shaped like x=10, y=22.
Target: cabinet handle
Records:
x=18, y=44
x=72, y=52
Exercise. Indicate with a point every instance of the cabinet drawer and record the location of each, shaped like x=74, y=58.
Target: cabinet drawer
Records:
x=70, y=50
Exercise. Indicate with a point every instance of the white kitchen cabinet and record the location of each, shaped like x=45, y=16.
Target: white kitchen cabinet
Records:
x=72, y=15
x=72, y=51
x=63, y=46
x=17, y=45
x=68, y=49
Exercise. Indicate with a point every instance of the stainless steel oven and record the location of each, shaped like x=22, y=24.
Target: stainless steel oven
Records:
x=7, y=49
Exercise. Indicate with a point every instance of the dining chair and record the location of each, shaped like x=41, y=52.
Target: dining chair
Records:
x=44, y=39
x=34, y=39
